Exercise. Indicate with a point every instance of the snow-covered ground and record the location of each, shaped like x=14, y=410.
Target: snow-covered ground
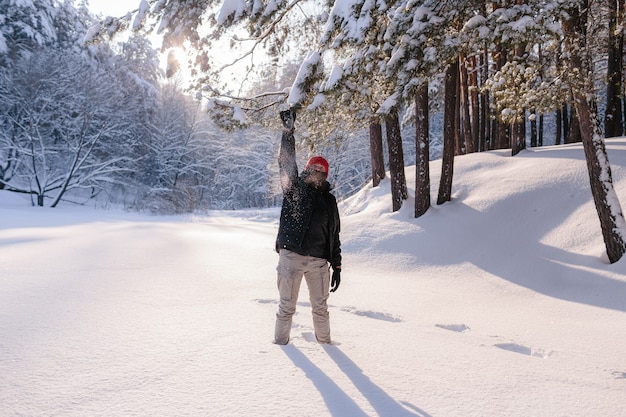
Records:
x=499, y=303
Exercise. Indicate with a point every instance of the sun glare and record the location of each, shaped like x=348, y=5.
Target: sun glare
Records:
x=175, y=64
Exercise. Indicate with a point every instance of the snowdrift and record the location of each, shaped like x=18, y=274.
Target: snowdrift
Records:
x=498, y=303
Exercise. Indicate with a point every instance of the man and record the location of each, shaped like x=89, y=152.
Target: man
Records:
x=308, y=237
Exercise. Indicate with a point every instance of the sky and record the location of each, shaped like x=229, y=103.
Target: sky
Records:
x=121, y=7
x=500, y=302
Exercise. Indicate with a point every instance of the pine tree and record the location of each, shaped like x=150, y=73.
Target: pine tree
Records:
x=607, y=204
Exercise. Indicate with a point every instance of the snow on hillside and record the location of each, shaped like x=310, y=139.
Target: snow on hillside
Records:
x=498, y=303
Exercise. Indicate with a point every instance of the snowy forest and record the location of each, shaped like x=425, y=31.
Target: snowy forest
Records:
x=88, y=112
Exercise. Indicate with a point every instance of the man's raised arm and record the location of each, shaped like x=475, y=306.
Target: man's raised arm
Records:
x=287, y=154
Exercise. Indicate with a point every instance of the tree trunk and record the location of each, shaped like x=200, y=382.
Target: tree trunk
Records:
x=396, y=160
x=575, y=135
x=449, y=127
x=613, y=114
x=518, y=137
x=537, y=125
x=460, y=146
x=559, y=127
x=518, y=129
x=376, y=152
x=566, y=124
x=483, y=104
x=474, y=104
x=607, y=204
x=540, y=135
x=464, y=108
x=533, y=129
x=500, y=135
x=606, y=201
x=500, y=131
x=485, y=137
x=422, y=152
x=624, y=121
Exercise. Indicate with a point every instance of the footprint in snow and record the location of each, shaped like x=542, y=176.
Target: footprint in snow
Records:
x=524, y=350
x=274, y=301
x=373, y=314
x=364, y=313
x=309, y=337
x=619, y=375
x=459, y=328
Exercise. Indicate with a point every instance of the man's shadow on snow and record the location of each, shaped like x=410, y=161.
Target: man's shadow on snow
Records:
x=338, y=402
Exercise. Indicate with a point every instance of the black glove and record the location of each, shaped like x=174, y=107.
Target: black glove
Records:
x=336, y=280
x=288, y=117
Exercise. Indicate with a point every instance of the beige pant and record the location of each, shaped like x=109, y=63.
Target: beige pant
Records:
x=291, y=268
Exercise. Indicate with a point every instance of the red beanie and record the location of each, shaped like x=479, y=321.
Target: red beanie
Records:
x=319, y=160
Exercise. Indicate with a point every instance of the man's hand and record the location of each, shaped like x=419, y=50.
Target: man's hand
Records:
x=336, y=279
x=288, y=117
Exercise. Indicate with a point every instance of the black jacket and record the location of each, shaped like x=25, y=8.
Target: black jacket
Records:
x=309, y=219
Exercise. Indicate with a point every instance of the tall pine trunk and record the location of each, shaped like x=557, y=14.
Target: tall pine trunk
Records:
x=533, y=129
x=449, y=126
x=474, y=103
x=399, y=191
x=613, y=116
x=559, y=127
x=466, y=123
x=485, y=137
x=422, y=152
x=575, y=135
x=566, y=123
x=607, y=204
x=483, y=123
x=518, y=137
x=500, y=131
x=518, y=128
x=540, y=136
x=376, y=152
